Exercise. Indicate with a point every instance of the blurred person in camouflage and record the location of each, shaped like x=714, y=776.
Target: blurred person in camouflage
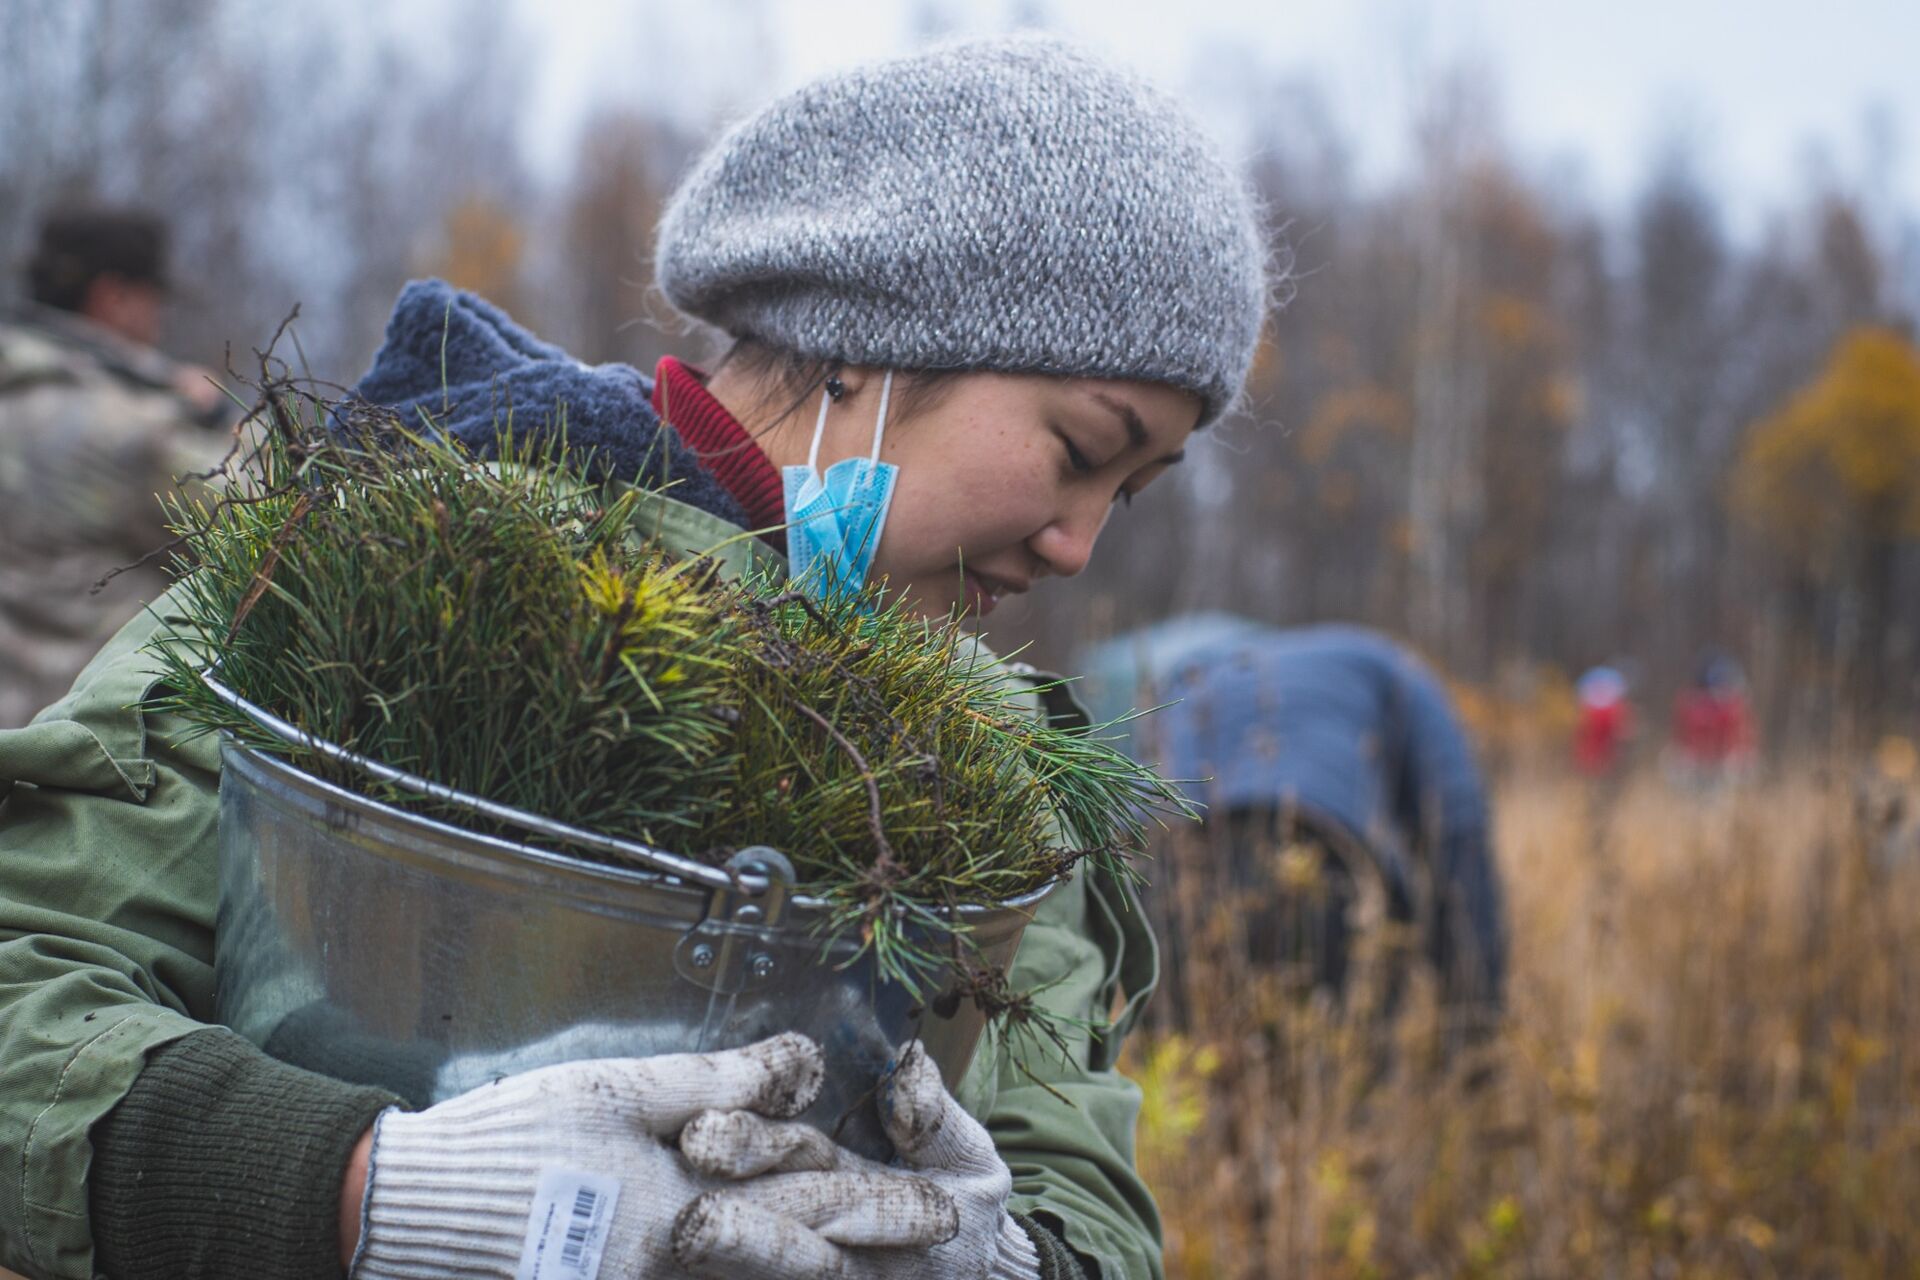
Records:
x=94, y=424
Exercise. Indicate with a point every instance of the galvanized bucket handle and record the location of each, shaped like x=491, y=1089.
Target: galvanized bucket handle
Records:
x=766, y=873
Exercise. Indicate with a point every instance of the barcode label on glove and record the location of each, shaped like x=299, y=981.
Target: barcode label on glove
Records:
x=567, y=1230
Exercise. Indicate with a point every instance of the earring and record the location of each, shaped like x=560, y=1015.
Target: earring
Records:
x=836, y=389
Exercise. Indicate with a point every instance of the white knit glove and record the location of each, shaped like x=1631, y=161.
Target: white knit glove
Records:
x=540, y=1173
x=846, y=1217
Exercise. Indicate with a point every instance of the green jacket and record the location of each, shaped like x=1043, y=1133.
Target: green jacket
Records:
x=107, y=907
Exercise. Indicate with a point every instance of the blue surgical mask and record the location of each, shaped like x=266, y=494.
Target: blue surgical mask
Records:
x=834, y=521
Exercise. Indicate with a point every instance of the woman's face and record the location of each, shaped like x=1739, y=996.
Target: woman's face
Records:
x=1005, y=479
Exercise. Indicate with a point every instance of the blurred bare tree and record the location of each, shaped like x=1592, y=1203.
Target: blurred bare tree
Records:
x=298, y=155
x=1518, y=428
x=1833, y=478
x=625, y=166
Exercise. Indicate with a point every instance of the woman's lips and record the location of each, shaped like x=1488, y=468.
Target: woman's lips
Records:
x=981, y=596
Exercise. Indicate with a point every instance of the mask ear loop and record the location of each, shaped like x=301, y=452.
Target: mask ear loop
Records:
x=819, y=429
x=880, y=422
x=873, y=459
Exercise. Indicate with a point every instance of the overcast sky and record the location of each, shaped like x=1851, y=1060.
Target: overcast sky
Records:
x=1587, y=89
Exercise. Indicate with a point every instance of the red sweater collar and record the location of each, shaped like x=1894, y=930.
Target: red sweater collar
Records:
x=681, y=399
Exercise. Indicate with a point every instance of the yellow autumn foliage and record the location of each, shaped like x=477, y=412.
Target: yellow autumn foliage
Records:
x=1840, y=461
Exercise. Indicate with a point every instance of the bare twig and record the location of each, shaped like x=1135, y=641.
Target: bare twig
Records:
x=886, y=863
x=263, y=577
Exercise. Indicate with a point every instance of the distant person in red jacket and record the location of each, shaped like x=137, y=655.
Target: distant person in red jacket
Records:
x=1712, y=734
x=1604, y=722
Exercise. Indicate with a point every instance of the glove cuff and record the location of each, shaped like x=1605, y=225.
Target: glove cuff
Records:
x=1016, y=1258
x=450, y=1191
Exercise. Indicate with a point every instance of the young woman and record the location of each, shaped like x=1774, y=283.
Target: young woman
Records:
x=979, y=296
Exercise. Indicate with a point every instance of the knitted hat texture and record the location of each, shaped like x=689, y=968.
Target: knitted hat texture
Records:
x=1012, y=204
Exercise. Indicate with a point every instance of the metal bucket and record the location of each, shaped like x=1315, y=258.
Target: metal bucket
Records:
x=382, y=947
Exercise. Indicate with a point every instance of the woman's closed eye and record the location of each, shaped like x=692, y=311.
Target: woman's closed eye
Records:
x=1077, y=460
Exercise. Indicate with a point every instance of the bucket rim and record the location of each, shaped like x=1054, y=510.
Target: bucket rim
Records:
x=660, y=867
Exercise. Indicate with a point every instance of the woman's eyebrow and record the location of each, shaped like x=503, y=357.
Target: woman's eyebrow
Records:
x=1137, y=436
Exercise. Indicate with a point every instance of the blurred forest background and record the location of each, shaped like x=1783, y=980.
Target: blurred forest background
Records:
x=1523, y=427
x=1524, y=432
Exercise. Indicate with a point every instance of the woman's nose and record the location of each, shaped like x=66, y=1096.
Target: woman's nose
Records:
x=1066, y=545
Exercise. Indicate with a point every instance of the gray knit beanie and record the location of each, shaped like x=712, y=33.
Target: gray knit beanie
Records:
x=1010, y=204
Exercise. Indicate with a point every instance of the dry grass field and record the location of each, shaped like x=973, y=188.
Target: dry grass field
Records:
x=1709, y=1064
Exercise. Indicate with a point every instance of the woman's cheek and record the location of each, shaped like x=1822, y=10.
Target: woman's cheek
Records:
x=919, y=538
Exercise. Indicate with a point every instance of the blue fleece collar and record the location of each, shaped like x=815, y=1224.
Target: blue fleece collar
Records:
x=454, y=363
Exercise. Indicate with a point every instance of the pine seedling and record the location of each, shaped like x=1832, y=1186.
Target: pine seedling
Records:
x=482, y=625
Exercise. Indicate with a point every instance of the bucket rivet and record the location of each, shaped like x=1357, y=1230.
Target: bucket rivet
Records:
x=762, y=966
x=749, y=914
x=702, y=956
